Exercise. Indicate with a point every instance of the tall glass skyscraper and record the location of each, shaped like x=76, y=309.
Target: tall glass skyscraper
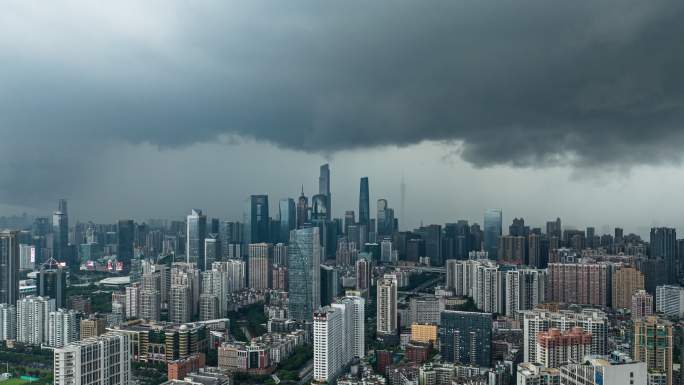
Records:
x=60, y=236
x=432, y=236
x=492, y=232
x=51, y=282
x=303, y=269
x=329, y=285
x=257, y=224
x=9, y=267
x=125, y=236
x=41, y=227
x=319, y=208
x=460, y=233
x=64, y=209
x=195, y=235
x=384, y=219
x=302, y=210
x=664, y=245
x=288, y=219
x=324, y=187
x=212, y=250
x=364, y=202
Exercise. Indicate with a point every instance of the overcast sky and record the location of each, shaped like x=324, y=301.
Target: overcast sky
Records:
x=145, y=109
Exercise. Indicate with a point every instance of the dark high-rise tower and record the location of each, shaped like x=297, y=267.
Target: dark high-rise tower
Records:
x=51, y=282
x=432, y=237
x=402, y=191
x=492, y=232
x=41, y=227
x=476, y=237
x=384, y=219
x=288, y=218
x=664, y=245
x=518, y=228
x=329, y=285
x=324, y=187
x=64, y=209
x=553, y=228
x=459, y=232
x=534, y=255
x=364, y=202
x=9, y=267
x=591, y=234
x=214, y=226
x=319, y=208
x=303, y=269
x=257, y=221
x=302, y=210
x=63, y=206
x=125, y=235
x=320, y=217
x=349, y=220
x=196, y=233
x=60, y=236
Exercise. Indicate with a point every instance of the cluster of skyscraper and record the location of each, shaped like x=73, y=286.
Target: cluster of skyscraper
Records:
x=549, y=282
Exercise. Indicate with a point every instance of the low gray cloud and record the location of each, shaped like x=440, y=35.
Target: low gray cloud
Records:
x=521, y=83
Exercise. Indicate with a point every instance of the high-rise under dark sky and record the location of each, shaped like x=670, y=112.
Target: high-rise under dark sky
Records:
x=257, y=220
x=60, y=236
x=9, y=267
x=63, y=207
x=288, y=218
x=196, y=233
x=319, y=208
x=51, y=282
x=664, y=245
x=324, y=187
x=125, y=235
x=492, y=231
x=364, y=202
x=303, y=268
x=302, y=210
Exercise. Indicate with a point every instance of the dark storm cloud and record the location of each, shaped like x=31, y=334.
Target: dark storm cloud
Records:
x=524, y=83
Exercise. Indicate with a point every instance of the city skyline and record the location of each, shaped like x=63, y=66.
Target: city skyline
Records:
x=392, y=192
x=474, y=214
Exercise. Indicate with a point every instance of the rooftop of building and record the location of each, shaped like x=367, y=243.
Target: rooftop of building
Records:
x=615, y=359
x=530, y=368
x=115, y=281
x=205, y=376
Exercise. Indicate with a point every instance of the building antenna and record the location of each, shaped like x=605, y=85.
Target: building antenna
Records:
x=402, y=190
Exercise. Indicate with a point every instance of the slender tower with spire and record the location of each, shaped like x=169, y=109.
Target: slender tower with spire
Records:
x=324, y=187
x=402, y=191
x=364, y=202
x=302, y=210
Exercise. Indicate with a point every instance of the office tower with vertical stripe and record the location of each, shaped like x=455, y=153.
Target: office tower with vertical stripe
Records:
x=260, y=261
x=196, y=233
x=364, y=203
x=9, y=267
x=303, y=268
